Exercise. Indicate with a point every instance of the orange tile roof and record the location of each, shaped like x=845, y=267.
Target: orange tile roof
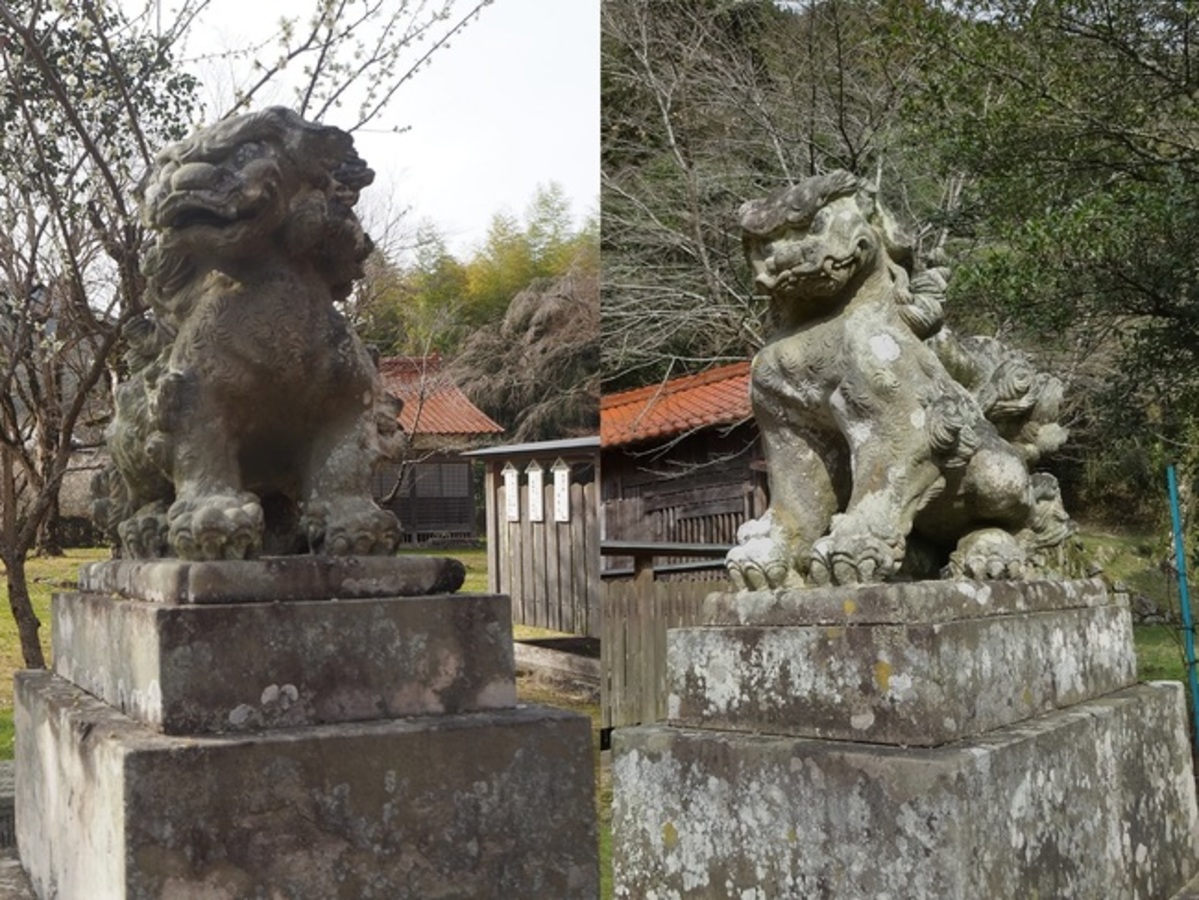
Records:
x=718, y=396
x=433, y=404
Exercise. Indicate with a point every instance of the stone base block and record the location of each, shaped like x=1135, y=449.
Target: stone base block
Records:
x=905, y=664
x=232, y=667
x=1094, y=801
x=487, y=805
x=273, y=578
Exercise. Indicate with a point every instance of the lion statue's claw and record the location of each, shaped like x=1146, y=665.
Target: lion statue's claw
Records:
x=350, y=527
x=145, y=533
x=990, y=554
x=853, y=559
x=748, y=574
x=761, y=559
x=220, y=526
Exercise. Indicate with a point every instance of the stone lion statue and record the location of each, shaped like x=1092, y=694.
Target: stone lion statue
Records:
x=252, y=415
x=894, y=449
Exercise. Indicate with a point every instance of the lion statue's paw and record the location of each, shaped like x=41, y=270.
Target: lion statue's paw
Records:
x=854, y=557
x=761, y=560
x=751, y=572
x=216, y=526
x=350, y=526
x=990, y=554
x=144, y=534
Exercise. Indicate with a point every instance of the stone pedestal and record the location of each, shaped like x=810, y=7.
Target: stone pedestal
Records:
x=940, y=740
x=202, y=744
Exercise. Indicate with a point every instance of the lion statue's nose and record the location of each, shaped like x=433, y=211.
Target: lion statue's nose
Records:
x=783, y=256
x=798, y=256
x=194, y=175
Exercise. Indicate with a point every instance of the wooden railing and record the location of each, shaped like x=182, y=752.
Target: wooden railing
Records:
x=635, y=613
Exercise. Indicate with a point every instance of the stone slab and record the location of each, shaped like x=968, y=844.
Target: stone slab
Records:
x=913, y=684
x=271, y=579
x=241, y=667
x=486, y=805
x=558, y=664
x=901, y=603
x=1094, y=801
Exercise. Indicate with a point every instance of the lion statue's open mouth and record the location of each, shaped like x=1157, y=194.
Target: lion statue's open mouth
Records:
x=252, y=416
x=894, y=449
x=824, y=276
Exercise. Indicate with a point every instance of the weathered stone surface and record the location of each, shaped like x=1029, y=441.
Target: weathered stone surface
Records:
x=894, y=449
x=901, y=603
x=247, y=666
x=273, y=578
x=920, y=684
x=487, y=805
x=1095, y=801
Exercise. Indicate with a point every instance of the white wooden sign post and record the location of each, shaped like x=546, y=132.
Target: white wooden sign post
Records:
x=536, y=476
x=561, y=472
x=511, y=492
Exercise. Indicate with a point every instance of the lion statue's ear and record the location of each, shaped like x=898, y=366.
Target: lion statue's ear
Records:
x=896, y=240
x=320, y=146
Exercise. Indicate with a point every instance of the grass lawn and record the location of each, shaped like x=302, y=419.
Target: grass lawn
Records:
x=1159, y=653
x=46, y=576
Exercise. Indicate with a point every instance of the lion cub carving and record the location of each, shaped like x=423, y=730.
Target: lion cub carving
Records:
x=893, y=448
x=252, y=414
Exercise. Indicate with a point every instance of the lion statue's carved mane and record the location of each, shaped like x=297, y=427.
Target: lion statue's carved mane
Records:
x=893, y=448
x=252, y=415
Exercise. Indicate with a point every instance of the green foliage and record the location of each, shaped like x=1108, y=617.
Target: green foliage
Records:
x=498, y=271
x=537, y=371
x=516, y=252
x=416, y=310
x=436, y=301
x=520, y=317
x=1073, y=126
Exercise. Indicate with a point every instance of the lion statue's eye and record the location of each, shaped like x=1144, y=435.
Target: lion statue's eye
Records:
x=248, y=152
x=797, y=223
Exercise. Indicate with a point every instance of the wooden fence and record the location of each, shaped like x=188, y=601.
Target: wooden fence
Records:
x=662, y=519
x=635, y=614
x=549, y=568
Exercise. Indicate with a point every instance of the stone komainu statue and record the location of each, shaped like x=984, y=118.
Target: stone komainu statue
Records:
x=893, y=448
x=252, y=415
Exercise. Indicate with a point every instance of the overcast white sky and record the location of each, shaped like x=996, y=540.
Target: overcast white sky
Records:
x=511, y=104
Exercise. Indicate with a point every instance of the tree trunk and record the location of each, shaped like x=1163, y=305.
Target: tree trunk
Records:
x=14, y=565
x=22, y=612
x=49, y=533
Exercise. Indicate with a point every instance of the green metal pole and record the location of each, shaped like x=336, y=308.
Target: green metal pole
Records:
x=1184, y=600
